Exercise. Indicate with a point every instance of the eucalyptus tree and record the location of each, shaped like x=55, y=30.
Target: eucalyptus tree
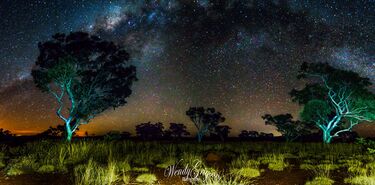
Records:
x=178, y=130
x=204, y=119
x=334, y=100
x=289, y=128
x=85, y=74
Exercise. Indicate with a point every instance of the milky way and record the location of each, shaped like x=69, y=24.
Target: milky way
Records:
x=240, y=58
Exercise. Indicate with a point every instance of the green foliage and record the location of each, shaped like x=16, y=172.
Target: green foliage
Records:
x=369, y=145
x=22, y=165
x=245, y=172
x=63, y=72
x=204, y=119
x=2, y=160
x=277, y=166
x=101, y=162
x=93, y=173
x=320, y=181
x=276, y=162
x=314, y=110
x=140, y=169
x=46, y=169
x=146, y=178
x=168, y=162
x=91, y=73
x=123, y=166
x=361, y=180
x=285, y=124
x=336, y=101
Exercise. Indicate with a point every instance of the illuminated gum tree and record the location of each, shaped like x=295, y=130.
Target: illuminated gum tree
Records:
x=85, y=75
x=336, y=101
x=205, y=120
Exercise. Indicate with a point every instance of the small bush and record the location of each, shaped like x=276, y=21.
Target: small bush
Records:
x=92, y=173
x=14, y=171
x=246, y=172
x=46, y=169
x=123, y=166
x=361, y=180
x=275, y=162
x=22, y=165
x=277, y=166
x=140, y=169
x=166, y=163
x=146, y=178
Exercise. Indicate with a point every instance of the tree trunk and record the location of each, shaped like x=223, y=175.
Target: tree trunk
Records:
x=199, y=136
x=327, y=137
x=69, y=136
x=69, y=129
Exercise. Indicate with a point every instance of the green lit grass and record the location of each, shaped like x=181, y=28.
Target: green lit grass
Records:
x=121, y=162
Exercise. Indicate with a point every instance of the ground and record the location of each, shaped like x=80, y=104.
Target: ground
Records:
x=134, y=162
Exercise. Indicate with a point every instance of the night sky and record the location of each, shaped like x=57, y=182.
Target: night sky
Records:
x=240, y=57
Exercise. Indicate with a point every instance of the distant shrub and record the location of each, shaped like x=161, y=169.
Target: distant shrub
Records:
x=112, y=136
x=146, y=178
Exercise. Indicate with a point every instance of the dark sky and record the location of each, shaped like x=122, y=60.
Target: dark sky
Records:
x=240, y=58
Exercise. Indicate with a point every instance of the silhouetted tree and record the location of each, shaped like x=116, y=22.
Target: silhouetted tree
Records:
x=5, y=134
x=248, y=134
x=149, y=130
x=90, y=73
x=336, y=101
x=177, y=130
x=244, y=134
x=113, y=135
x=266, y=136
x=58, y=131
x=205, y=120
x=125, y=135
x=221, y=132
x=285, y=124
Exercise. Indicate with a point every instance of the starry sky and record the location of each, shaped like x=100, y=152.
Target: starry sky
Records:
x=240, y=57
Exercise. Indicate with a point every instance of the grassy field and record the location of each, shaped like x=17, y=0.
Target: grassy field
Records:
x=130, y=162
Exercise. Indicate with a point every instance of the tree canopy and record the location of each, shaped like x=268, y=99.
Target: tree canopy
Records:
x=288, y=127
x=91, y=73
x=335, y=100
x=204, y=119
